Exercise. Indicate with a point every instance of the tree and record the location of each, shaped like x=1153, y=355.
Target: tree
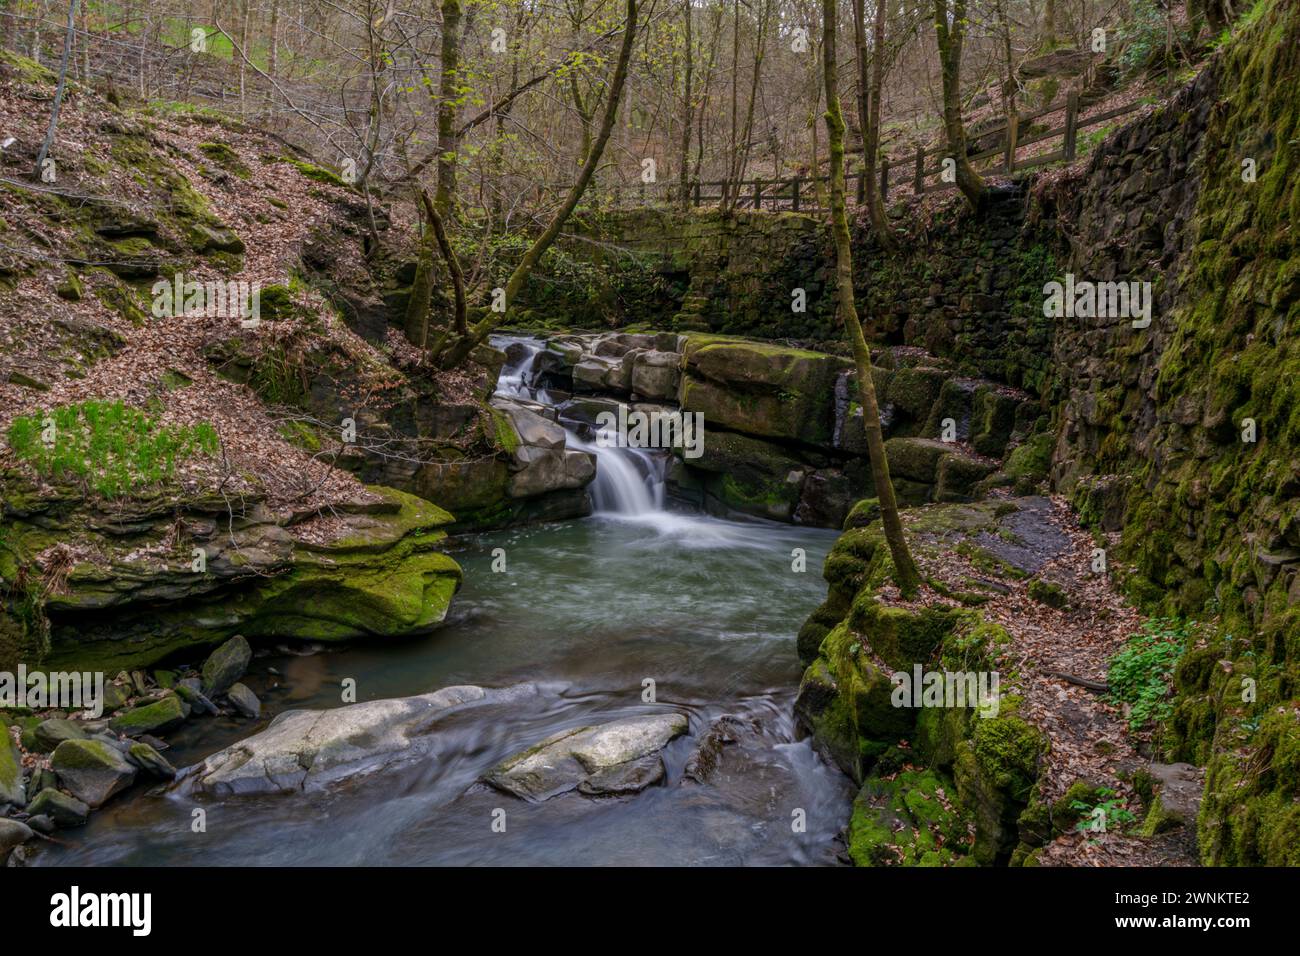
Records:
x=68, y=36
x=905, y=574
x=460, y=348
x=869, y=98
x=950, y=32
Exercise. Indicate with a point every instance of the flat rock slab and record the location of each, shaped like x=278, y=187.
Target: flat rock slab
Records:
x=619, y=757
x=309, y=750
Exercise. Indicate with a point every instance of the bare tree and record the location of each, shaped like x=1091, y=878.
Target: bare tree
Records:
x=905, y=573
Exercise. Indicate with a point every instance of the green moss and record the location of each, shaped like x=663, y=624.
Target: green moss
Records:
x=317, y=173
x=226, y=158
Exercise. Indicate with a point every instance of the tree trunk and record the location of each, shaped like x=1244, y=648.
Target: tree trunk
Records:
x=68, y=36
x=684, y=174
x=869, y=97
x=482, y=329
x=905, y=574
x=447, y=96
x=950, y=38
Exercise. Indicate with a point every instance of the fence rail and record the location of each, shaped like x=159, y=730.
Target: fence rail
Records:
x=799, y=193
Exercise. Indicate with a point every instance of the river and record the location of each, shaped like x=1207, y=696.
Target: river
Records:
x=642, y=591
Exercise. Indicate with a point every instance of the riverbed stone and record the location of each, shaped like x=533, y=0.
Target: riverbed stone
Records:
x=158, y=717
x=226, y=665
x=244, y=701
x=311, y=750
x=50, y=733
x=91, y=771
x=12, y=787
x=148, y=759
x=602, y=757
x=63, y=809
x=12, y=834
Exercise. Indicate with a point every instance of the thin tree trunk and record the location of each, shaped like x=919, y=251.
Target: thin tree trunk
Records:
x=273, y=55
x=445, y=194
x=684, y=173
x=950, y=39
x=871, y=132
x=68, y=36
x=905, y=573
x=482, y=329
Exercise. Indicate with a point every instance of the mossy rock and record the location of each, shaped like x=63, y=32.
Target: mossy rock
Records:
x=907, y=821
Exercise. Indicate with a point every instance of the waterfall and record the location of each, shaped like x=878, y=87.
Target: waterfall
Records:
x=629, y=482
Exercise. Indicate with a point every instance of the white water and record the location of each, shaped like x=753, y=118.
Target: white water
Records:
x=629, y=482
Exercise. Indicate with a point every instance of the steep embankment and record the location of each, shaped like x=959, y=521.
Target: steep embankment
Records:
x=1176, y=444
x=175, y=468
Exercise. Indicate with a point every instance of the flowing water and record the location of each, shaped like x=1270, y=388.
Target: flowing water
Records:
x=592, y=610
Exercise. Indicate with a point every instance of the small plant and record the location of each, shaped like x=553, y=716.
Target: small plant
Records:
x=1109, y=812
x=112, y=448
x=1139, y=675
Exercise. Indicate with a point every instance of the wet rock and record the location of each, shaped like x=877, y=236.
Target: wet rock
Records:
x=41, y=824
x=189, y=691
x=225, y=666
x=91, y=771
x=12, y=788
x=703, y=761
x=307, y=750
x=598, y=756
x=244, y=701
x=655, y=375
x=151, y=761
x=50, y=733
x=62, y=809
x=12, y=834
x=158, y=717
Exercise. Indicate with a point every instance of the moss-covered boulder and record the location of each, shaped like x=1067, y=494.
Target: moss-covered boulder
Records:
x=761, y=389
x=91, y=770
x=909, y=820
x=156, y=718
x=13, y=788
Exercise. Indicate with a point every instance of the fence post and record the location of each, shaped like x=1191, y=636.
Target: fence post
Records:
x=794, y=194
x=1071, y=124
x=918, y=180
x=884, y=178
x=1013, y=140
x=758, y=194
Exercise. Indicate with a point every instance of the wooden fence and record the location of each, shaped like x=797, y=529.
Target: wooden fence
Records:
x=918, y=170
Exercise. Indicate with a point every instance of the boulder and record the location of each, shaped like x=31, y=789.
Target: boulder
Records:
x=226, y=665
x=311, y=750
x=91, y=770
x=12, y=834
x=62, y=809
x=761, y=389
x=12, y=788
x=156, y=718
x=618, y=757
x=655, y=375
x=50, y=733
x=148, y=759
x=244, y=701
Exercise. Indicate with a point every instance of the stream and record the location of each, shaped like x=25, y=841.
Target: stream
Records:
x=643, y=590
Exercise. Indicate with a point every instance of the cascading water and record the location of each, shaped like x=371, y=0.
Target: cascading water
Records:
x=629, y=481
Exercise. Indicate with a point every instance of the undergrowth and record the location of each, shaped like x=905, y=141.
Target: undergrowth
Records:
x=114, y=449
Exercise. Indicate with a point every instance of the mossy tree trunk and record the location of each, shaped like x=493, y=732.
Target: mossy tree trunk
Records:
x=460, y=348
x=905, y=574
x=869, y=104
x=448, y=97
x=950, y=32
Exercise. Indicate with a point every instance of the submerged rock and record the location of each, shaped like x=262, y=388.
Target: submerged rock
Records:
x=617, y=757
x=304, y=750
